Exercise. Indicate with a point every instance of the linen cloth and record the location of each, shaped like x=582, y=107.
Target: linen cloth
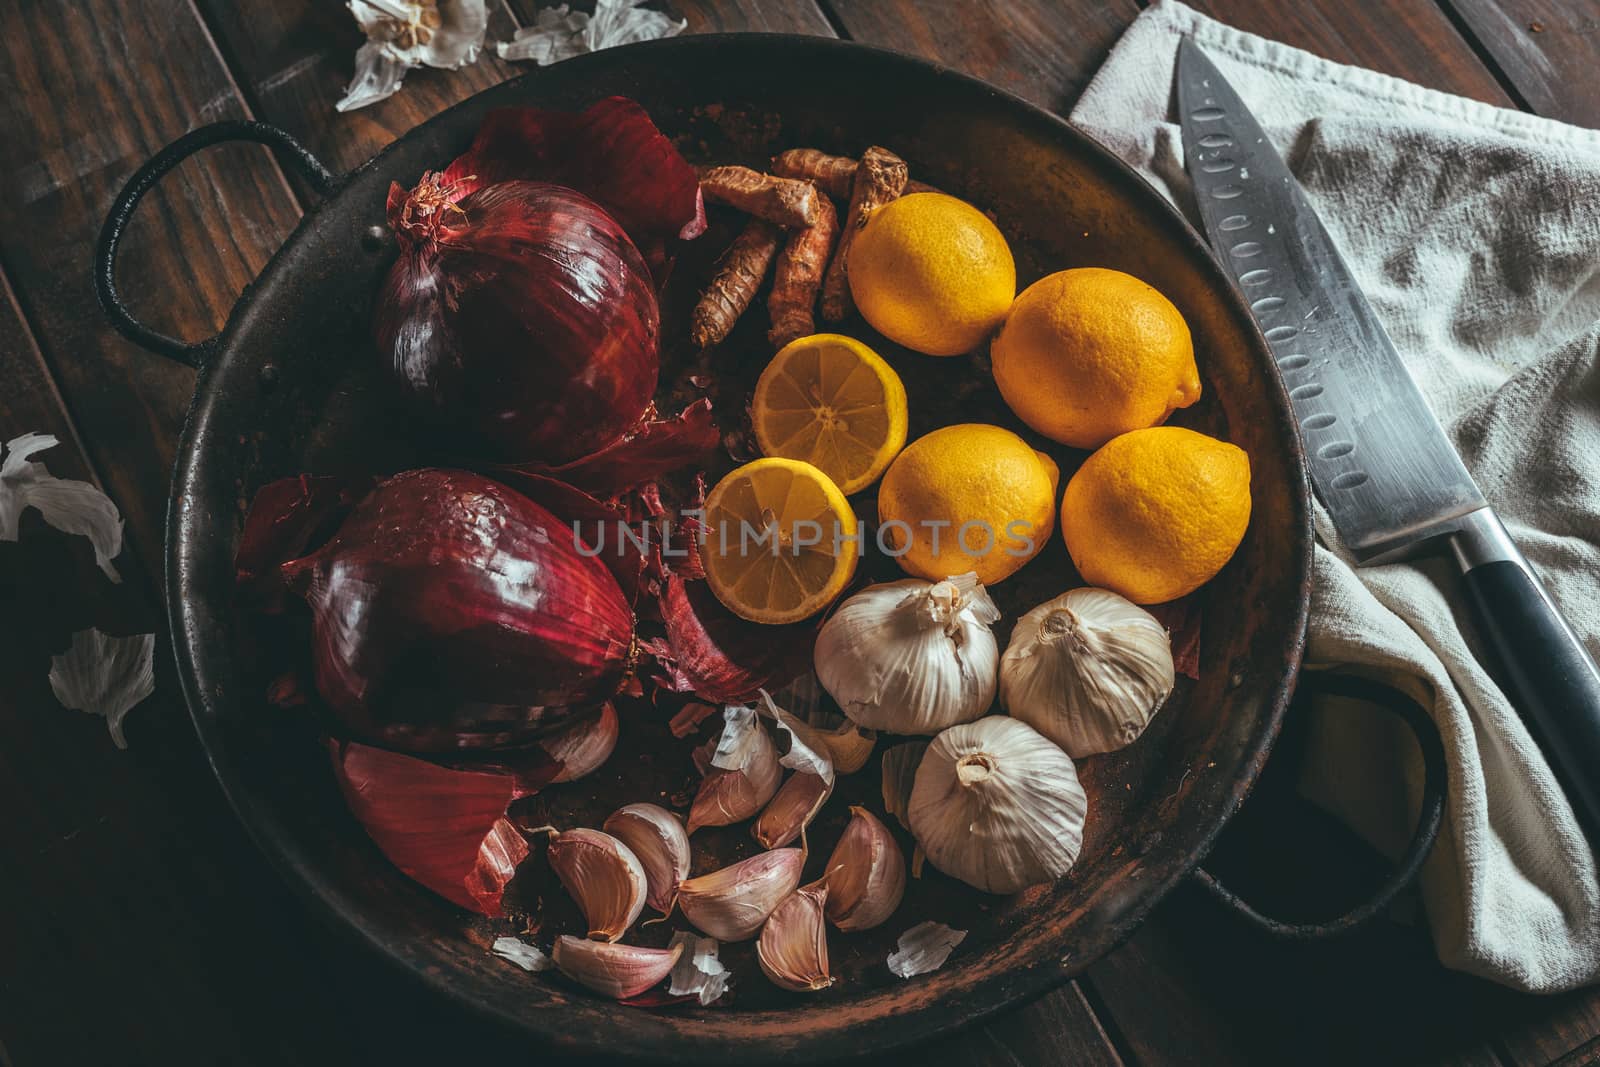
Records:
x=1475, y=233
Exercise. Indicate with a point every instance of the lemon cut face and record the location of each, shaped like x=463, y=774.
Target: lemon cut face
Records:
x=781, y=541
x=831, y=401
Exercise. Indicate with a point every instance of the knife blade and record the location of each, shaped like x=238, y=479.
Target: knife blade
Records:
x=1379, y=460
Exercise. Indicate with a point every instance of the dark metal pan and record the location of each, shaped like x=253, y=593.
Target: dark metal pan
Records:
x=289, y=386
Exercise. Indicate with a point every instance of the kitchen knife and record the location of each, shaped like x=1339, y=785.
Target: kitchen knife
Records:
x=1380, y=462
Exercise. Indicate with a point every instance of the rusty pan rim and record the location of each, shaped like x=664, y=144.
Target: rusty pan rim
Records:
x=1023, y=981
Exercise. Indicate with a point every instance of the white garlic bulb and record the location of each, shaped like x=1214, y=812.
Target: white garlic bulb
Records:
x=1088, y=670
x=998, y=805
x=911, y=657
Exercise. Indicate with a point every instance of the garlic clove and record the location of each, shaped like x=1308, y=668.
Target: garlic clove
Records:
x=743, y=773
x=1088, y=670
x=581, y=748
x=899, y=775
x=850, y=745
x=793, y=950
x=603, y=876
x=797, y=802
x=731, y=904
x=866, y=875
x=998, y=805
x=911, y=657
x=613, y=970
x=658, y=839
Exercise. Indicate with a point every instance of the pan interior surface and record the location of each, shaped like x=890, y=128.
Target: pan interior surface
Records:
x=1062, y=202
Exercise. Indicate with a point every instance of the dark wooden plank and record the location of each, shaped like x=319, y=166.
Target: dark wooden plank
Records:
x=1059, y=1028
x=293, y=59
x=752, y=16
x=1045, y=51
x=93, y=89
x=1549, y=50
x=1410, y=39
x=1540, y=1030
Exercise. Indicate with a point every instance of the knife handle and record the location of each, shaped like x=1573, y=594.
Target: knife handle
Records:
x=1551, y=678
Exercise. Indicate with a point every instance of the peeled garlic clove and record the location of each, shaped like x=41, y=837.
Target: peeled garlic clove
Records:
x=657, y=838
x=1088, y=670
x=743, y=773
x=731, y=904
x=791, y=810
x=866, y=875
x=581, y=748
x=619, y=971
x=603, y=876
x=998, y=805
x=911, y=657
x=793, y=950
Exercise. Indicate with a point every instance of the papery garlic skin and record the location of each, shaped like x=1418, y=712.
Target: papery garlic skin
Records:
x=1088, y=670
x=603, y=876
x=699, y=972
x=619, y=971
x=998, y=805
x=911, y=657
x=793, y=950
x=731, y=904
x=657, y=837
x=743, y=773
x=866, y=875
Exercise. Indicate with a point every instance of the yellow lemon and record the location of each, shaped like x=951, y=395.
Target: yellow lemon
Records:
x=1090, y=353
x=1155, y=513
x=833, y=402
x=967, y=498
x=932, y=273
x=780, y=541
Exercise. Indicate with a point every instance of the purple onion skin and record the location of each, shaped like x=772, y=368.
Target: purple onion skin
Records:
x=449, y=612
x=521, y=315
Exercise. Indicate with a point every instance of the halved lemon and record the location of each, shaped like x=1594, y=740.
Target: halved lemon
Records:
x=833, y=402
x=781, y=541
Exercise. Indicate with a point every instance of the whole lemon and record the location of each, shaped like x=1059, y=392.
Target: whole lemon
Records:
x=1089, y=353
x=932, y=273
x=967, y=498
x=1155, y=513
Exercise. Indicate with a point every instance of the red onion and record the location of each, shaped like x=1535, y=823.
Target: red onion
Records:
x=450, y=612
x=711, y=652
x=443, y=827
x=521, y=315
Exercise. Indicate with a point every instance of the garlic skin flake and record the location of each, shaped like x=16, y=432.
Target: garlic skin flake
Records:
x=613, y=970
x=743, y=773
x=405, y=34
x=698, y=972
x=911, y=657
x=70, y=506
x=524, y=955
x=793, y=950
x=559, y=33
x=998, y=805
x=865, y=876
x=105, y=675
x=603, y=876
x=657, y=838
x=1088, y=670
x=924, y=948
x=731, y=904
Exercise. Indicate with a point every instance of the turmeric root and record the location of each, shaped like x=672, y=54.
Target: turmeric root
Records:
x=834, y=175
x=880, y=178
x=799, y=275
x=733, y=286
x=787, y=202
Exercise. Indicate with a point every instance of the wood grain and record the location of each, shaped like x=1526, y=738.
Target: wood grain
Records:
x=1045, y=51
x=1548, y=49
x=92, y=91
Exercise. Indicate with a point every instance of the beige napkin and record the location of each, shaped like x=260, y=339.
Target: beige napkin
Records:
x=1475, y=233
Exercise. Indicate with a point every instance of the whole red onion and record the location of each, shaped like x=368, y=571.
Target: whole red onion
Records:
x=520, y=314
x=450, y=612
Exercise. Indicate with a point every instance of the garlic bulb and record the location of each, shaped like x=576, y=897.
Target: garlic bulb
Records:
x=998, y=805
x=658, y=839
x=1088, y=670
x=793, y=950
x=911, y=657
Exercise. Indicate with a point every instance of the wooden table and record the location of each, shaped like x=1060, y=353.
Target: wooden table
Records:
x=138, y=925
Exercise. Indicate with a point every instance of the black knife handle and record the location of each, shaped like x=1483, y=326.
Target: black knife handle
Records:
x=1549, y=675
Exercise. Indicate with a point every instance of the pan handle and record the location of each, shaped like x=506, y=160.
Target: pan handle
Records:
x=287, y=149
x=1422, y=838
